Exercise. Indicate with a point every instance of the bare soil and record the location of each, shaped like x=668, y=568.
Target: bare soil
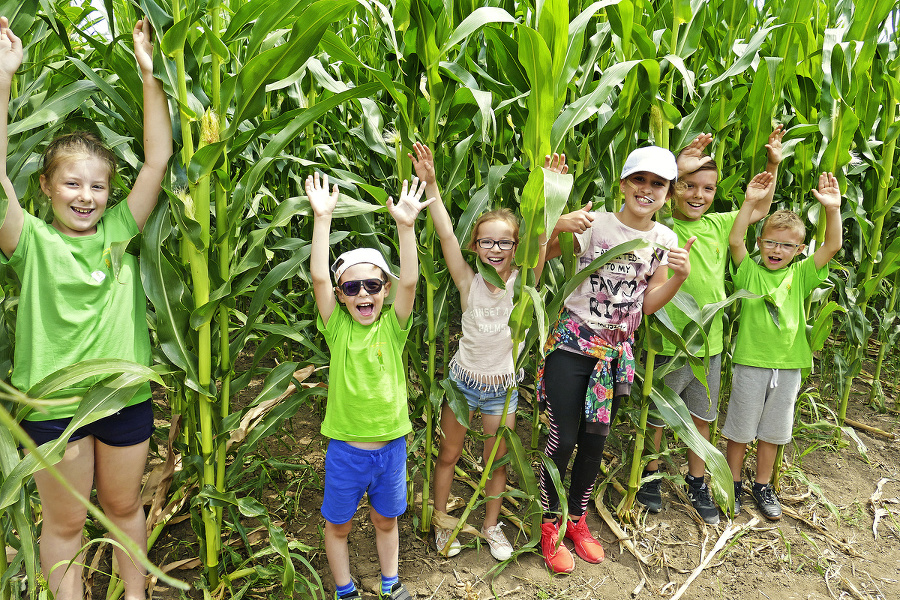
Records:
x=824, y=547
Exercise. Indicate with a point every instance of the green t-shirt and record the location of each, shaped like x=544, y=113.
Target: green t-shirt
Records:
x=72, y=307
x=706, y=283
x=760, y=343
x=367, y=400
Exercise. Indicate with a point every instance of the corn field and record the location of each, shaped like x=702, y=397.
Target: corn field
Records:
x=264, y=92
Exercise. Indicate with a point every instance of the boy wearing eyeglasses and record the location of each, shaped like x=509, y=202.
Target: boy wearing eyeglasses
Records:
x=768, y=357
x=367, y=417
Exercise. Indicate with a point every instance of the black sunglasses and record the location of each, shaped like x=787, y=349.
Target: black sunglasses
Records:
x=352, y=288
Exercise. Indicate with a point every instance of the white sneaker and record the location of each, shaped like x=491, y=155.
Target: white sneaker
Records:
x=500, y=547
x=441, y=536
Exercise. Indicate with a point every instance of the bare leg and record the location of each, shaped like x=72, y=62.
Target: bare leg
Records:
x=387, y=541
x=696, y=465
x=653, y=465
x=496, y=484
x=448, y=455
x=734, y=454
x=765, y=461
x=118, y=472
x=63, y=519
x=337, y=551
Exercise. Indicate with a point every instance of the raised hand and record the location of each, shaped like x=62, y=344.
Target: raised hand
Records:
x=758, y=188
x=423, y=163
x=10, y=50
x=773, y=148
x=679, y=259
x=143, y=44
x=829, y=192
x=577, y=221
x=556, y=163
x=408, y=206
x=693, y=157
x=317, y=191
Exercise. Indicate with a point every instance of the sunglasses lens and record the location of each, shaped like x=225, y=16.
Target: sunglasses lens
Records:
x=373, y=286
x=351, y=288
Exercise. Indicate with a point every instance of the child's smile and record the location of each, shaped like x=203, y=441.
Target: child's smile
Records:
x=364, y=308
x=778, y=247
x=644, y=194
x=496, y=231
x=78, y=192
x=695, y=196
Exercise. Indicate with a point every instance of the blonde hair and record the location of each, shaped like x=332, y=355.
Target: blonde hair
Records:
x=710, y=165
x=74, y=146
x=784, y=219
x=500, y=214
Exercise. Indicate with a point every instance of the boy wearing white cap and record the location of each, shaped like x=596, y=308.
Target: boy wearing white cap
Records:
x=366, y=416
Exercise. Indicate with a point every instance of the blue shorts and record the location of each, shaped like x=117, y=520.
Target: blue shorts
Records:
x=489, y=399
x=130, y=426
x=351, y=472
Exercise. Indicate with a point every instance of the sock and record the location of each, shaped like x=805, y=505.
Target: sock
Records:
x=388, y=582
x=692, y=481
x=738, y=487
x=346, y=590
x=648, y=473
x=758, y=486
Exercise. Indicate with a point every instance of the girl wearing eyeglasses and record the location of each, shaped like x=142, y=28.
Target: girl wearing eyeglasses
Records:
x=483, y=368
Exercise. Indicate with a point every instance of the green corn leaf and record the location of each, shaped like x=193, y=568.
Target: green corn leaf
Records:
x=56, y=108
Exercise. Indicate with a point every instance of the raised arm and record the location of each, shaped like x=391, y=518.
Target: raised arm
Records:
x=322, y=205
x=757, y=192
x=829, y=196
x=460, y=271
x=10, y=59
x=662, y=288
x=405, y=212
x=693, y=156
x=157, y=130
x=773, y=159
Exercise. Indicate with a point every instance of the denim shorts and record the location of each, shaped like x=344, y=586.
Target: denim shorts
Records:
x=130, y=426
x=489, y=399
x=351, y=472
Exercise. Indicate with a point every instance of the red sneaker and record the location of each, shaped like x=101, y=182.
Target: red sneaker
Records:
x=587, y=547
x=559, y=560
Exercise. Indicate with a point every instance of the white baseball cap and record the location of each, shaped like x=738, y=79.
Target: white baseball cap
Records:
x=363, y=255
x=652, y=159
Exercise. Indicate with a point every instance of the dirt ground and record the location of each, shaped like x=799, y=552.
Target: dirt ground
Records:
x=827, y=545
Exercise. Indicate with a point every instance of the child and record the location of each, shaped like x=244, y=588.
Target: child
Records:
x=698, y=175
x=768, y=357
x=367, y=417
x=589, y=365
x=73, y=307
x=483, y=368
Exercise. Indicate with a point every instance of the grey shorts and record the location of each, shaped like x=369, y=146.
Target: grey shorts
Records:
x=683, y=383
x=761, y=405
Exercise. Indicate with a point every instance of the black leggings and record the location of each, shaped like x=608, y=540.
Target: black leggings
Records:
x=566, y=376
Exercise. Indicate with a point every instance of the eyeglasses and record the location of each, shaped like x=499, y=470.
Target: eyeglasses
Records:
x=772, y=244
x=353, y=287
x=487, y=244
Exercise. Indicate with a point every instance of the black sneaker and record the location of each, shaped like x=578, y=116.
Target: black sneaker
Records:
x=650, y=496
x=767, y=502
x=703, y=503
x=738, y=492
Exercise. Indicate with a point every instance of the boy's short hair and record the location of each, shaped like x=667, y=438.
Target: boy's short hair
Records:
x=784, y=219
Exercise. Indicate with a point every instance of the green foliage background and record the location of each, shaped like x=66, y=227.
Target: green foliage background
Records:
x=264, y=92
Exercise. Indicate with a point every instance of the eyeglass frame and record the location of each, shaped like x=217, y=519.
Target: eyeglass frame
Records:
x=773, y=244
x=496, y=243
